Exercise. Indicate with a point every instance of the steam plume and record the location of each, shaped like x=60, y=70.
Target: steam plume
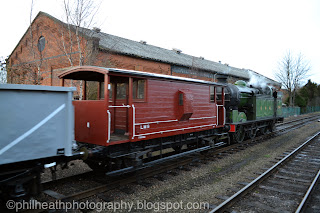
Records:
x=257, y=80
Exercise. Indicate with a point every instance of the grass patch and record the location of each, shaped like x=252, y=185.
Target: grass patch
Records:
x=216, y=169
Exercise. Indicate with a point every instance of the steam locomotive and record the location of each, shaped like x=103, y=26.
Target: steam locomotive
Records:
x=252, y=110
x=137, y=120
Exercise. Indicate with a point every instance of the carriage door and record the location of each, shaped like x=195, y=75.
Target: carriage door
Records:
x=220, y=106
x=118, y=101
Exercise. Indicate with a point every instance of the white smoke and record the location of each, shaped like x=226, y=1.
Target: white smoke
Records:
x=257, y=80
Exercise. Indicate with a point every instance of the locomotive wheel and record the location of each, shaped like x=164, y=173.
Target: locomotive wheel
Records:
x=239, y=134
x=252, y=132
x=263, y=130
x=272, y=127
x=228, y=140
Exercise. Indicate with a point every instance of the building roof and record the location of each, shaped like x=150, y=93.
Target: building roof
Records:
x=108, y=42
x=141, y=49
x=147, y=51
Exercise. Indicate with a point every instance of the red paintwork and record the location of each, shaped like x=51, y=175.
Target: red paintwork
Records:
x=232, y=128
x=161, y=103
x=121, y=116
x=93, y=112
x=220, y=115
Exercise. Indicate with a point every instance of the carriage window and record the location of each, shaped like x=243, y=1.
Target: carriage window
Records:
x=219, y=95
x=211, y=93
x=91, y=90
x=121, y=91
x=102, y=91
x=138, y=88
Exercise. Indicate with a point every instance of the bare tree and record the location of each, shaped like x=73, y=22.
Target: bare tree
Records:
x=79, y=17
x=75, y=38
x=291, y=72
x=3, y=71
x=36, y=51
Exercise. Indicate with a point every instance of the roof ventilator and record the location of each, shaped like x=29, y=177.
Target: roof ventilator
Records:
x=177, y=50
x=96, y=29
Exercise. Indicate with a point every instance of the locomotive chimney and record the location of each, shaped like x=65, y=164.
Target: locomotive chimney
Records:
x=222, y=78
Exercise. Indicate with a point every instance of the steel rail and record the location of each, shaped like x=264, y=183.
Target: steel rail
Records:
x=234, y=198
x=314, y=117
x=147, y=173
x=144, y=173
x=126, y=180
x=215, y=151
x=308, y=193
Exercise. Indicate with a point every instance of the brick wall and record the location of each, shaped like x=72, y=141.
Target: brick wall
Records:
x=26, y=59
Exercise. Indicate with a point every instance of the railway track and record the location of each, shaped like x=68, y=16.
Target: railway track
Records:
x=297, y=121
x=311, y=202
x=110, y=183
x=285, y=187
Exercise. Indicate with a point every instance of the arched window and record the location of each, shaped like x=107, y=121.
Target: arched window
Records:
x=41, y=43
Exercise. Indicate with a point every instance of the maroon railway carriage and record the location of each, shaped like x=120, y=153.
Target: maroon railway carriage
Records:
x=144, y=113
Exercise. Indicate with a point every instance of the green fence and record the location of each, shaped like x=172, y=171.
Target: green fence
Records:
x=294, y=111
x=290, y=111
x=310, y=109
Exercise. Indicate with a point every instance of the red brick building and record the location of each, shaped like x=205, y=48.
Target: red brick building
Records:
x=49, y=46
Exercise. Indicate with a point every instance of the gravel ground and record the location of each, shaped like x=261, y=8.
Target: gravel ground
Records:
x=78, y=166
x=202, y=184
x=74, y=167
x=219, y=177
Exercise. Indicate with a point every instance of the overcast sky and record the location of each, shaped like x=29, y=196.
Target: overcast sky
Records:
x=247, y=34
